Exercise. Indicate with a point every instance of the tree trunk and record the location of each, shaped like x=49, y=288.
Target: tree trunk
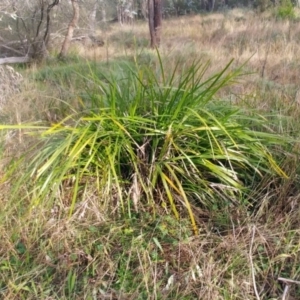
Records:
x=93, y=16
x=72, y=25
x=155, y=20
x=151, y=22
x=120, y=13
x=209, y=5
x=103, y=10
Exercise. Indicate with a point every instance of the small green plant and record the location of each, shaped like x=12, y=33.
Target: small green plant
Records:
x=285, y=10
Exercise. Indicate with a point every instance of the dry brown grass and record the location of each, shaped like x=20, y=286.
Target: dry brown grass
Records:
x=270, y=48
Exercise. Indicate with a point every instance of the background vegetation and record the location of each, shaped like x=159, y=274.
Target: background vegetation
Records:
x=127, y=173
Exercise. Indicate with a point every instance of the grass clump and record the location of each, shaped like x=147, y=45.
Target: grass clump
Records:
x=285, y=10
x=151, y=141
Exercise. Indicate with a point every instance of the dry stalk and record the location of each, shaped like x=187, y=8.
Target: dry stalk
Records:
x=288, y=283
x=251, y=264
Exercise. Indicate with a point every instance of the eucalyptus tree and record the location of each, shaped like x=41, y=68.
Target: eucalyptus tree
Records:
x=71, y=27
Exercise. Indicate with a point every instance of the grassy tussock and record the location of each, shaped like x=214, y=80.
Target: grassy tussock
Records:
x=240, y=250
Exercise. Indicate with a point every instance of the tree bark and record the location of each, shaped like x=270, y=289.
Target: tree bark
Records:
x=155, y=21
x=72, y=25
x=151, y=23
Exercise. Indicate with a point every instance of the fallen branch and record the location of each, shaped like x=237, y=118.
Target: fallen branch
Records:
x=14, y=60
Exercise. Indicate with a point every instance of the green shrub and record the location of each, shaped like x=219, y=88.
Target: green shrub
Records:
x=285, y=10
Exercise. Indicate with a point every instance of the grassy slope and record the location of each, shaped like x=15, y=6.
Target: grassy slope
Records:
x=47, y=255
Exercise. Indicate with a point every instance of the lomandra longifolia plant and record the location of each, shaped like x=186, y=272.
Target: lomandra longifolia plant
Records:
x=147, y=139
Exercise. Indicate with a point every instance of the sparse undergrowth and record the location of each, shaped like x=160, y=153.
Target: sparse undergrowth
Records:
x=90, y=212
